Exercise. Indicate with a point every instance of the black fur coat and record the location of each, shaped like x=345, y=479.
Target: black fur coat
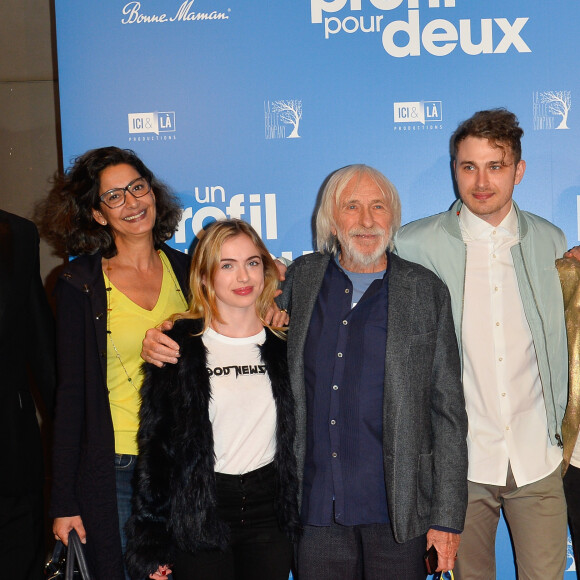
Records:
x=174, y=498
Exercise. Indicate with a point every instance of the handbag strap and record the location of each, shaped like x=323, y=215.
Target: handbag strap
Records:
x=52, y=568
x=76, y=552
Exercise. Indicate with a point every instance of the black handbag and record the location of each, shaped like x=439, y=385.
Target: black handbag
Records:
x=68, y=563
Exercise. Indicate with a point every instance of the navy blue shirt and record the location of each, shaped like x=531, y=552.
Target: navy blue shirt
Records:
x=344, y=368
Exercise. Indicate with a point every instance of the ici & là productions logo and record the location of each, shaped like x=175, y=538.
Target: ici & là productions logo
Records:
x=156, y=126
x=551, y=109
x=282, y=119
x=418, y=116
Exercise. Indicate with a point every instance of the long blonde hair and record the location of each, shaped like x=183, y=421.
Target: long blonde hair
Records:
x=205, y=262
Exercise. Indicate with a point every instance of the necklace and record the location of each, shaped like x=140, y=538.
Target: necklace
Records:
x=109, y=333
x=166, y=267
x=169, y=269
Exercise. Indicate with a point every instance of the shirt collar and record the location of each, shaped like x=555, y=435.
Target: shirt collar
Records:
x=475, y=228
x=370, y=275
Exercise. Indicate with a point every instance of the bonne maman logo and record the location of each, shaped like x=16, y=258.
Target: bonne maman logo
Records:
x=152, y=123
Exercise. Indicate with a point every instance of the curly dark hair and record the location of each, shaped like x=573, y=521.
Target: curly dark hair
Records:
x=499, y=126
x=65, y=217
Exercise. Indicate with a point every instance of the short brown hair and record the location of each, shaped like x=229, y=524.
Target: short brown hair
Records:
x=499, y=126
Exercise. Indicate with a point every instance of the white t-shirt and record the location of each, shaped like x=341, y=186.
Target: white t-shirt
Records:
x=242, y=409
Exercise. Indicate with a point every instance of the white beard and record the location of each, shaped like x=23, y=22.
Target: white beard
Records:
x=350, y=251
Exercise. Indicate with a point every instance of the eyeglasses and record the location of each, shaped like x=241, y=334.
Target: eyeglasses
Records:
x=116, y=197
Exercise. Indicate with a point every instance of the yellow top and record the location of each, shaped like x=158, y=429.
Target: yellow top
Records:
x=128, y=323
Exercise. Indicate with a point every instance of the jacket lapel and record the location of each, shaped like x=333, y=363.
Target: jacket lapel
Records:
x=304, y=295
x=400, y=306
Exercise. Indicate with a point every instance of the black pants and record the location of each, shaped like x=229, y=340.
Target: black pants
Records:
x=258, y=549
x=22, y=536
x=364, y=552
x=572, y=493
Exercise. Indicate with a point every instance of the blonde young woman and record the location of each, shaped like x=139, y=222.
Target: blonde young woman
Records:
x=215, y=483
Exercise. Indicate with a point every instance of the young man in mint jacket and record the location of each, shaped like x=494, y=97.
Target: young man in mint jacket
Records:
x=499, y=265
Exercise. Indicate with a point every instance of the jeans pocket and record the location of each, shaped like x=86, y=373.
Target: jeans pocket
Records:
x=124, y=461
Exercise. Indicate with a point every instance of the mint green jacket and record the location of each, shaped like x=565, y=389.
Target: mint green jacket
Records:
x=436, y=243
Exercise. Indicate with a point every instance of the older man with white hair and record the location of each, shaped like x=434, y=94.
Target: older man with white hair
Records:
x=381, y=422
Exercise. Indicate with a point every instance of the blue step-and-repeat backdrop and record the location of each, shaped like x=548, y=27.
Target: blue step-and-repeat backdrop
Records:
x=245, y=107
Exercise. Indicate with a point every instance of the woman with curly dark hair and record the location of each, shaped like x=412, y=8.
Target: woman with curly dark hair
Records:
x=111, y=211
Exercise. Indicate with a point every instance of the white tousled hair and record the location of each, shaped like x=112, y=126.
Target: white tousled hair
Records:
x=326, y=241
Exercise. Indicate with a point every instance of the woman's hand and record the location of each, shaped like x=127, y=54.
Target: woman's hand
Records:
x=276, y=317
x=162, y=572
x=62, y=526
x=158, y=348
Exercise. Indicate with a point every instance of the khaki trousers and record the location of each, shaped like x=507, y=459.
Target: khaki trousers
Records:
x=536, y=517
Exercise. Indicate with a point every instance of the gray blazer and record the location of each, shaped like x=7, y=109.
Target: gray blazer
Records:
x=424, y=418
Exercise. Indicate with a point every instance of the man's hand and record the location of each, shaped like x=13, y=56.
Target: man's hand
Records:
x=158, y=348
x=446, y=545
x=573, y=253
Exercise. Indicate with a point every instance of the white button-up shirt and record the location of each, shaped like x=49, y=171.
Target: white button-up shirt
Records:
x=503, y=391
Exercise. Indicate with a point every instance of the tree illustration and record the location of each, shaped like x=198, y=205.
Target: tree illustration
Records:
x=290, y=113
x=559, y=103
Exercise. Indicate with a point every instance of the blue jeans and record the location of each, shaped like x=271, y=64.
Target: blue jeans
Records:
x=124, y=467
